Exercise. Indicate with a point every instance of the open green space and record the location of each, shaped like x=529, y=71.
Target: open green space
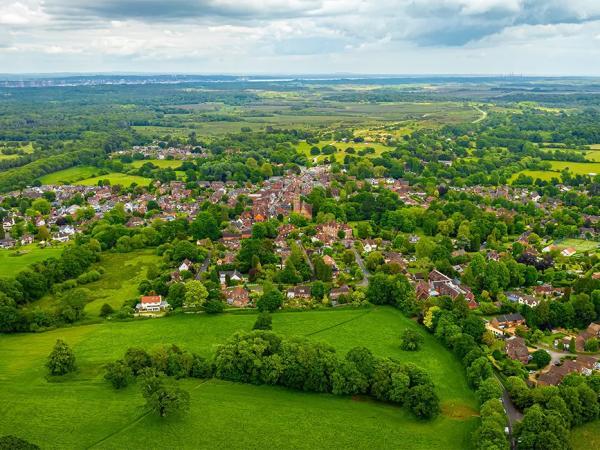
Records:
x=162, y=163
x=12, y=261
x=122, y=274
x=304, y=148
x=545, y=175
x=117, y=178
x=70, y=175
x=577, y=168
x=83, y=411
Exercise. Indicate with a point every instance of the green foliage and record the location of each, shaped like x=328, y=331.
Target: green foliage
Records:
x=410, y=340
x=161, y=398
x=61, y=360
x=15, y=443
x=263, y=322
x=106, y=310
x=119, y=374
x=270, y=301
x=541, y=358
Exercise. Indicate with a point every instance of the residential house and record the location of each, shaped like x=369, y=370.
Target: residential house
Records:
x=299, y=292
x=237, y=296
x=151, y=303
x=592, y=331
x=522, y=299
x=336, y=293
x=569, y=251
x=583, y=365
x=185, y=265
x=230, y=275
x=517, y=349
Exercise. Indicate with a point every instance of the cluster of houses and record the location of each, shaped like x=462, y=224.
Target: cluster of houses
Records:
x=156, y=151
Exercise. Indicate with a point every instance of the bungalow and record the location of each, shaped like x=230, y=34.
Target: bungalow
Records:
x=517, y=349
x=299, y=292
x=237, y=296
x=151, y=303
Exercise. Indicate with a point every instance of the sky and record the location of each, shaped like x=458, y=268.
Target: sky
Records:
x=530, y=37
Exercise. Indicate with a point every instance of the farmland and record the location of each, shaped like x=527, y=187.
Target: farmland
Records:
x=13, y=261
x=254, y=414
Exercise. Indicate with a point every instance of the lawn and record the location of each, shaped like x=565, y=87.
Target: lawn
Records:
x=70, y=175
x=117, y=178
x=162, y=163
x=83, y=411
x=581, y=245
x=12, y=261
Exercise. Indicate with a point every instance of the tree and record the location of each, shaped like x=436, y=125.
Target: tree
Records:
x=137, y=359
x=214, y=306
x=163, y=399
x=195, y=294
x=176, y=296
x=489, y=389
x=270, y=301
x=119, y=374
x=106, y=310
x=541, y=358
x=61, y=360
x=591, y=345
x=423, y=401
x=205, y=226
x=479, y=370
x=410, y=340
x=317, y=290
x=263, y=322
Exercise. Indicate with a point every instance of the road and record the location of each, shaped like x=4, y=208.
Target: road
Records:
x=512, y=413
x=361, y=264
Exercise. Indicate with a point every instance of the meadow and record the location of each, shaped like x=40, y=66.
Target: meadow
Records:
x=70, y=175
x=12, y=261
x=581, y=245
x=304, y=148
x=586, y=437
x=83, y=411
x=122, y=274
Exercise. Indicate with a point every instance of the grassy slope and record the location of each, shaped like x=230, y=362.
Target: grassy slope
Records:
x=82, y=409
x=70, y=175
x=11, y=265
x=123, y=273
x=586, y=437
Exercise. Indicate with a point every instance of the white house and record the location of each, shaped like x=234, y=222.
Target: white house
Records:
x=151, y=303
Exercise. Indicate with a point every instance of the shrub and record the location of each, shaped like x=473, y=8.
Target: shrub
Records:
x=214, y=307
x=106, y=310
x=263, y=322
x=118, y=374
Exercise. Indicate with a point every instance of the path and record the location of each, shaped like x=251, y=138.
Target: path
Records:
x=512, y=413
x=361, y=264
x=482, y=112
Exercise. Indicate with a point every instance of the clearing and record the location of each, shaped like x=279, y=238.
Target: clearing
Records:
x=14, y=260
x=70, y=175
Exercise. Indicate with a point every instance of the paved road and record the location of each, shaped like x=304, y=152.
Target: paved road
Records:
x=361, y=264
x=512, y=413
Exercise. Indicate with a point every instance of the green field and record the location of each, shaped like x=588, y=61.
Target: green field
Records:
x=12, y=261
x=117, y=178
x=70, y=175
x=577, y=168
x=122, y=274
x=162, y=163
x=544, y=175
x=83, y=411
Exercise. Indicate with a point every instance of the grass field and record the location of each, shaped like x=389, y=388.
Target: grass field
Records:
x=544, y=175
x=12, y=261
x=577, y=168
x=119, y=282
x=70, y=175
x=116, y=178
x=82, y=411
x=162, y=163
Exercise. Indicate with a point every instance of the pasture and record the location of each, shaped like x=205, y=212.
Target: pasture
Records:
x=70, y=175
x=577, y=168
x=586, y=437
x=304, y=148
x=12, y=261
x=83, y=411
x=116, y=178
